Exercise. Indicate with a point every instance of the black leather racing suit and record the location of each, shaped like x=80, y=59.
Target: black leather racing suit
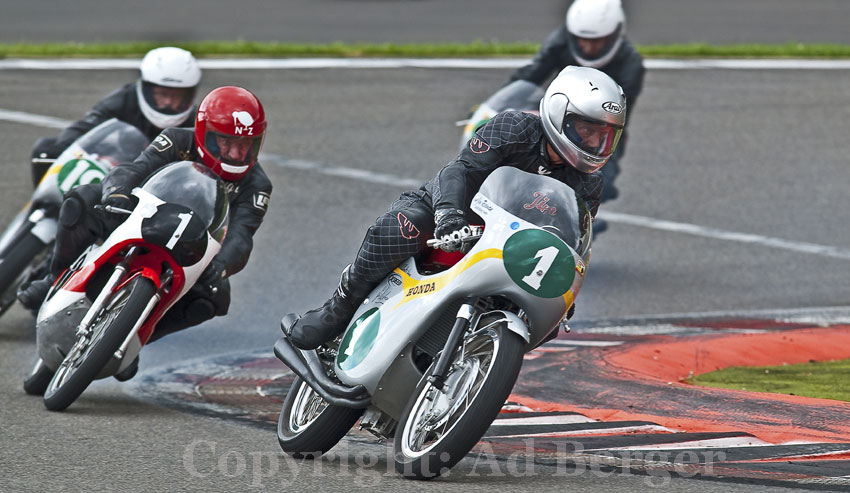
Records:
x=509, y=139
x=122, y=104
x=81, y=224
x=626, y=68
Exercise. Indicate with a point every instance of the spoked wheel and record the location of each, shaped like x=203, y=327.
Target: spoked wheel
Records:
x=91, y=353
x=20, y=258
x=439, y=427
x=308, y=426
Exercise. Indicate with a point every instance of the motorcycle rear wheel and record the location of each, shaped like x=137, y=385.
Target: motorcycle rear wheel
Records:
x=19, y=257
x=308, y=426
x=438, y=428
x=90, y=354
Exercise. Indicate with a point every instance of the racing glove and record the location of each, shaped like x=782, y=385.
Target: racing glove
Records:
x=119, y=200
x=450, y=227
x=213, y=274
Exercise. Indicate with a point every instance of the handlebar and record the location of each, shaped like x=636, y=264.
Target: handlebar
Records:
x=477, y=232
x=112, y=209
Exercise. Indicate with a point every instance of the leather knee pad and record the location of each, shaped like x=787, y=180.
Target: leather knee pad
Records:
x=72, y=212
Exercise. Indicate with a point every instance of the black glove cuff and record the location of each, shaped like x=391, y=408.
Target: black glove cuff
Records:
x=440, y=214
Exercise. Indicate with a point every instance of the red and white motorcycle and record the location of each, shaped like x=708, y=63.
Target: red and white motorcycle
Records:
x=104, y=308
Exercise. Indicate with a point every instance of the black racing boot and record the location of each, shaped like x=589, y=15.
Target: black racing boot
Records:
x=330, y=320
x=129, y=372
x=33, y=295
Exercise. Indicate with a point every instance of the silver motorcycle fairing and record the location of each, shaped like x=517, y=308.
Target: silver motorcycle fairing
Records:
x=406, y=304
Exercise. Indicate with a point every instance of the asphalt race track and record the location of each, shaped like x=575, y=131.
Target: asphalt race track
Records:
x=732, y=220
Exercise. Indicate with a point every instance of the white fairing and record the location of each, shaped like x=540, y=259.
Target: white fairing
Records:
x=130, y=229
x=45, y=230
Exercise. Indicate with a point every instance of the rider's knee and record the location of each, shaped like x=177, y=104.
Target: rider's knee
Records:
x=77, y=204
x=72, y=212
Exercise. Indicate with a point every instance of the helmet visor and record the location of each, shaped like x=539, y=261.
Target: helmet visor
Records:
x=233, y=150
x=594, y=48
x=168, y=100
x=593, y=137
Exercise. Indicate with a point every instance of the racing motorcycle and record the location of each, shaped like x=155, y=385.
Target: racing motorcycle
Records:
x=104, y=308
x=519, y=95
x=25, y=242
x=430, y=357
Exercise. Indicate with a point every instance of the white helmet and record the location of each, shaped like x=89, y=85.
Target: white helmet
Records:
x=166, y=88
x=598, y=20
x=583, y=113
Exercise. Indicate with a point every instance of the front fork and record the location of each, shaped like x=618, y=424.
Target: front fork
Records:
x=441, y=369
x=83, y=329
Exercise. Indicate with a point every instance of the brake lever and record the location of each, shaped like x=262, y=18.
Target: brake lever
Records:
x=112, y=209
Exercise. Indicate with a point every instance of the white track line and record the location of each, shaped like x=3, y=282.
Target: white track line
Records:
x=544, y=420
x=37, y=120
x=719, y=234
x=394, y=63
x=729, y=442
x=397, y=181
x=591, y=431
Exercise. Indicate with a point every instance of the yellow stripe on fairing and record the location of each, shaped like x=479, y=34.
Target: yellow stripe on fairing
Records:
x=434, y=284
x=569, y=298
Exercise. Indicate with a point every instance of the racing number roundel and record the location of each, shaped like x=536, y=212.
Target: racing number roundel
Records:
x=540, y=263
x=78, y=172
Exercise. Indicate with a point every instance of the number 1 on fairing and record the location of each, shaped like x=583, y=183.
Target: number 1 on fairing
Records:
x=547, y=258
x=184, y=221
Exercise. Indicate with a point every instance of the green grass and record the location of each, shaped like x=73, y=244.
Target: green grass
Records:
x=825, y=379
x=474, y=49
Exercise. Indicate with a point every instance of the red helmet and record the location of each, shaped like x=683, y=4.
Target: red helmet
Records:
x=229, y=131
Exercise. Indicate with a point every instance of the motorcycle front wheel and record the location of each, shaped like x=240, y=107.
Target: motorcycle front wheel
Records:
x=308, y=426
x=91, y=353
x=439, y=427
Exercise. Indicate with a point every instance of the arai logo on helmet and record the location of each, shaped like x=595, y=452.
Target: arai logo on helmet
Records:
x=612, y=107
x=242, y=120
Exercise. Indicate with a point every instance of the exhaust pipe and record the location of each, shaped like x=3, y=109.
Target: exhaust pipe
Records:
x=306, y=365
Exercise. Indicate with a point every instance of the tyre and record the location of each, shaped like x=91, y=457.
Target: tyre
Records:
x=438, y=428
x=20, y=257
x=90, y=354
x=38, y=379
x=308, y=426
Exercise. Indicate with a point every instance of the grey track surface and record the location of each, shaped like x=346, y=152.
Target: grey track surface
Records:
x=415, y=21
x=744, y=151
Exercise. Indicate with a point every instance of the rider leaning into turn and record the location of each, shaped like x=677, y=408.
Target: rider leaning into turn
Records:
x=582, y=115
x=162, y=97
x=592, y=36
x=227, y=137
